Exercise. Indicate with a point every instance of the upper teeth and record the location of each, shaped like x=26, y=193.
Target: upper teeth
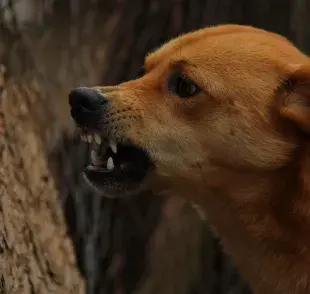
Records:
x=97, y=139
x=88, y=137
x=83, y=138
x=113, y=146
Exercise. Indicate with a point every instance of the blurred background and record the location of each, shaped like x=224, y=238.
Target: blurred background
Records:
x=56, y=235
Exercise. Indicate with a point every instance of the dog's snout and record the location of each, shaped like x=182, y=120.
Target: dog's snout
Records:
x=87, y=106
x=86, y=98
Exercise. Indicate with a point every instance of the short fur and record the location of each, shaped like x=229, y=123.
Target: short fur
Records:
x=240, y=148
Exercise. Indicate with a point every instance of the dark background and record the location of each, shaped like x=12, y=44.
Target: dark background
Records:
x=148, y=244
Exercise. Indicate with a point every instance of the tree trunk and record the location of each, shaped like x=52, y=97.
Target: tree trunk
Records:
x=36, y=255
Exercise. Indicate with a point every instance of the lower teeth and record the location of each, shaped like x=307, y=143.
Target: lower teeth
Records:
x=96, y=161
x=110, y=163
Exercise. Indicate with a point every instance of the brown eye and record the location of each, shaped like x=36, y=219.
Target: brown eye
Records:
x=183, y=87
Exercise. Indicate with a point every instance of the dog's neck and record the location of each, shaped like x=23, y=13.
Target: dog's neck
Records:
x=263, y=219
x=264, y=222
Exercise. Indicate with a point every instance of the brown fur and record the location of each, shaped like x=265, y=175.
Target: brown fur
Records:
x=240, y=149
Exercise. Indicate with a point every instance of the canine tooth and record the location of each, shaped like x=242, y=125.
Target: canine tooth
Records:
x=89, y=138
x=97, y=139
x=110, y=163
x=95, y=160
x=113, y=146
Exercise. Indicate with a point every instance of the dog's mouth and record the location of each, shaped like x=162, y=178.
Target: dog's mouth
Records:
x=115, y=168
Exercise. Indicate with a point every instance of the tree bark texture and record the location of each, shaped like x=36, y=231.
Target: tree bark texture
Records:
x=36, y=254
x=144, y=245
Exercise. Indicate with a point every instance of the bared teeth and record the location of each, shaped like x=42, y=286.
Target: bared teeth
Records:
x=113, y=146
x=83, y=137
x=110, y=163
x=99, y=152
x=89, y=138
x=97, y=139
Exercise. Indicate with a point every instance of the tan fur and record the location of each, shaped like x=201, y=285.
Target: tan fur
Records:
x=240, y=149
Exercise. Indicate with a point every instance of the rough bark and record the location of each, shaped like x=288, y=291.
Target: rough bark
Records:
x=36, y=254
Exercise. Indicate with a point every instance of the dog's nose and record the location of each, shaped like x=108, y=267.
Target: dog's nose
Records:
x=87, y=106
x=87, y=98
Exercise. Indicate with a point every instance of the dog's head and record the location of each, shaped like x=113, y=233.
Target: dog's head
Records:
x=215, y=97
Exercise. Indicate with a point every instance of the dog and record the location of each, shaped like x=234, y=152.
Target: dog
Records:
x=221, y=117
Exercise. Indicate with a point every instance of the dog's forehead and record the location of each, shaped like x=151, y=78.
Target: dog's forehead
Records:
x=224, y=42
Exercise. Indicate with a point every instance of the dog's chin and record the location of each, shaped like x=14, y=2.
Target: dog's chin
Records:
x=113, y=188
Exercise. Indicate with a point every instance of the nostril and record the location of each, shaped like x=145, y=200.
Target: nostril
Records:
x=87, y=98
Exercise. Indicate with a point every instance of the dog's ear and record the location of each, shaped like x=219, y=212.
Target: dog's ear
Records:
x=295, y=104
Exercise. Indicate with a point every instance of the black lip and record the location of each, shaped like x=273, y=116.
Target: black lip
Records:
x=97, y=174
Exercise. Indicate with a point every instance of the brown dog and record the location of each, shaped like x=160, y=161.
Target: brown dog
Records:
x=221, y=117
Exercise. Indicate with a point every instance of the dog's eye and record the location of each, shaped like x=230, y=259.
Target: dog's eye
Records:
x=183, y=87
